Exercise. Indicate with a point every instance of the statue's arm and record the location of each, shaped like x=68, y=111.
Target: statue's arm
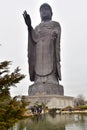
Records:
x=58, y=44
x=58, y=49
x=31, y=46
x=31, y=32
x=27, y=20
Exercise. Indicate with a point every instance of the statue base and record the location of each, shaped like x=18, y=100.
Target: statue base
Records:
x=45, y=89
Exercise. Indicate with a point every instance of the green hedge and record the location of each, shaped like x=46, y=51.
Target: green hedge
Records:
x=84, y=107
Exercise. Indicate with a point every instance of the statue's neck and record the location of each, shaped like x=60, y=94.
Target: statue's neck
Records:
x=43, y=21
x=46, y=19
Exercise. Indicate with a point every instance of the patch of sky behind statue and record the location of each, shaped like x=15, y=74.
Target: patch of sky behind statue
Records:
x=71, y=14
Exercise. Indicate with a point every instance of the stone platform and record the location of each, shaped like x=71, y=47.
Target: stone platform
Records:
x=51, y=101
x=52, y=95
x=45, y=89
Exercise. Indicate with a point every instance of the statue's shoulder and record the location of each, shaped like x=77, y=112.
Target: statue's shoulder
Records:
x=56, y=24
x=37, y=26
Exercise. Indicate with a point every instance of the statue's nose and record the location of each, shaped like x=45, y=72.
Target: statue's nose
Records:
x=44, y=13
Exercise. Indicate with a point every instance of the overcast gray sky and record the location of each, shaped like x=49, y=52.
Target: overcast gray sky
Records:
x=72, y=15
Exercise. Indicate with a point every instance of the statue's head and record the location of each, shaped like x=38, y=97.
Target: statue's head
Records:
x=45, y=12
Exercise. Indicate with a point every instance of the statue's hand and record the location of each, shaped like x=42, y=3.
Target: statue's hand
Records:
x=27, y=19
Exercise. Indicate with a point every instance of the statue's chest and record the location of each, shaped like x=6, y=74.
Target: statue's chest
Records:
x=44, y=32
x=45, y=40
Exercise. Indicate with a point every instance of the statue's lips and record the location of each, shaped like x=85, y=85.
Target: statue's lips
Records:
x=45, y=17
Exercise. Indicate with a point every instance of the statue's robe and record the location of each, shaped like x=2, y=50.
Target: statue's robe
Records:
x=44, y=50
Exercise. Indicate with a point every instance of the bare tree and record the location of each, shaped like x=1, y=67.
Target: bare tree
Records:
x=80, y=100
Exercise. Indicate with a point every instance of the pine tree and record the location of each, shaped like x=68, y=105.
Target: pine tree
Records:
x=7, y=79
x=10, y=108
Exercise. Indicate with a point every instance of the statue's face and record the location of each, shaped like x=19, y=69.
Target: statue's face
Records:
x=45, y=13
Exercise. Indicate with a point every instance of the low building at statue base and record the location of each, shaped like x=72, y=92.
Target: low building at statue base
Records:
x=51, y=101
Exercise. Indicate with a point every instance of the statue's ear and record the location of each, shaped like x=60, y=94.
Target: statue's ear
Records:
x=51, y=13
